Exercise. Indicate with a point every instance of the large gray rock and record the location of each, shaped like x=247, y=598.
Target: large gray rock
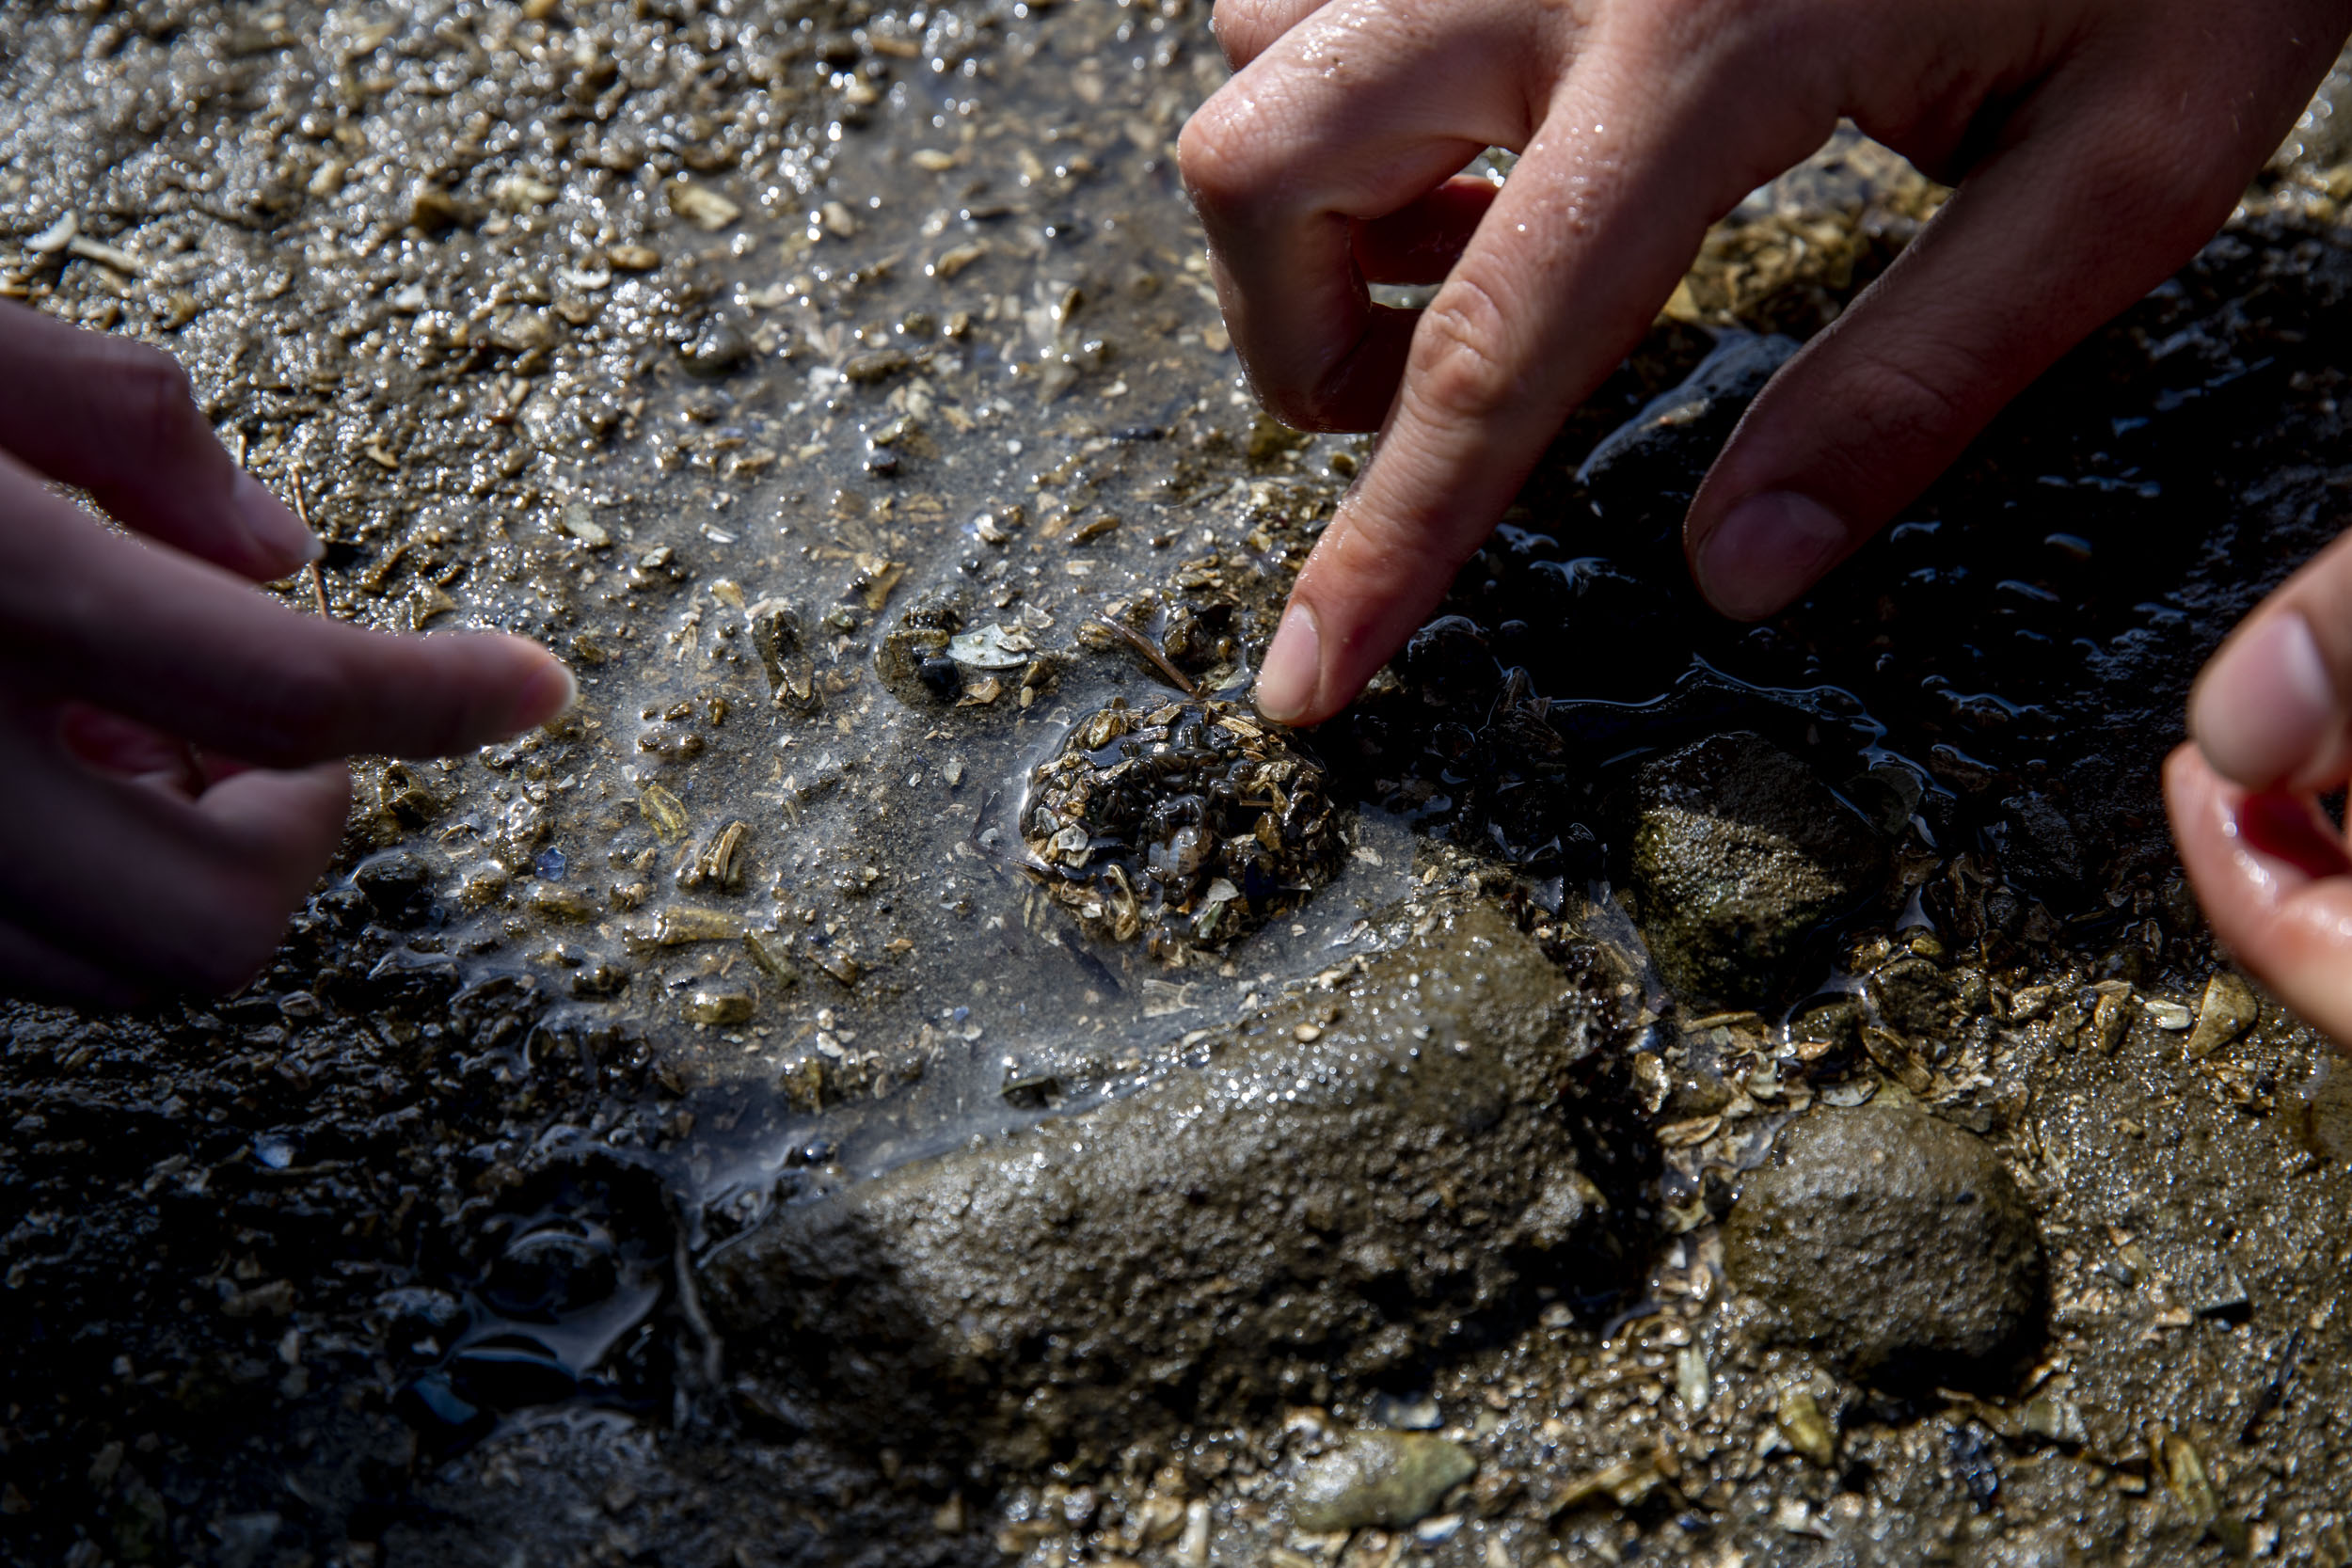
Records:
x=1739, y=854
x=1892, y=1240
x=1293, y=1219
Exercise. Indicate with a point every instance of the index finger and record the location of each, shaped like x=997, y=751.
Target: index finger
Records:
x=191, y=649
x=118, y=418
x=1565, y=274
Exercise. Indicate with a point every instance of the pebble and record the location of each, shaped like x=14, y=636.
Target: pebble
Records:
x=717, y=347
x=715, y=1007
x=1377, y=1480
x=704, y=207
x=2228, y=1009
x=1891, y=1239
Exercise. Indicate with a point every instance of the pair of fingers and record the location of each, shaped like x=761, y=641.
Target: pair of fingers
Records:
x=2101, y=142
x=121, y=876
x=2271, y=718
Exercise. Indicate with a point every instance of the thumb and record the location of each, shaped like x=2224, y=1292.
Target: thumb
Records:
x=2096, y=201
x=2269, y=711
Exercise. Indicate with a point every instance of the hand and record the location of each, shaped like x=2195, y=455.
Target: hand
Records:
x=2096, y=145
x=170, y=740
x=2272, y=728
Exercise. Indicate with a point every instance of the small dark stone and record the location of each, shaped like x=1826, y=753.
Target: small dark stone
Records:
x=942, y=677
x=2038, y=846
x=1894, y=1241
x=716, y=348
x=396, y=884
x=1448, y=663
x=1642, y=477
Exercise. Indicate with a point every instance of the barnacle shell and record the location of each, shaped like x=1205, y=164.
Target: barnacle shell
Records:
x=1190, y=824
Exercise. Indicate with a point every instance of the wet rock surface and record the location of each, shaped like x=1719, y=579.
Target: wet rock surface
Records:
x=1894, y=1241
x=1739, y=855
x=1336, y=1194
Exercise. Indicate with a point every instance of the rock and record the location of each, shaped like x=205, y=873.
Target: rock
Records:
x=1642, y=477
x=877, y=365
x=1447, y=663
x=2229, y=1008
x=2038, y=847
x=1892, y=1240
x=1298, y=1216
x=1601, y=631
x=1377, y=1481
x=702, y=207
x=717, y=347
x=1914, y=997
x=1740, y=853
x=397, y=883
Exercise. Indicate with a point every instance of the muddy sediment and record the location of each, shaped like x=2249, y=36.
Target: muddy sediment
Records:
x=693, y=1128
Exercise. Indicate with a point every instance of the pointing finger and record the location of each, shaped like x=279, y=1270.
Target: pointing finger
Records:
x=119, y=420
x=1568, y=267
x=161, y=638
x=198, y=891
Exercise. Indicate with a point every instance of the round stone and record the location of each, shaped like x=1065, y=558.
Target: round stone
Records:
x=1894, y=1241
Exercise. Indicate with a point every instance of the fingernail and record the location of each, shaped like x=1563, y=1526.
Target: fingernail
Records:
x=274, y=525
x=1286, y=682
x=2265, y=707
x=548, y=691
x=1766, y=552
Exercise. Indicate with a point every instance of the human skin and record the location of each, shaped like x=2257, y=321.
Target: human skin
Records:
x=2094, y=146
x=2269, y=730
x=171, y=740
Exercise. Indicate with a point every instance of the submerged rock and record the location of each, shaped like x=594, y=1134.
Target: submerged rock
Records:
x=1740, y=853
x=1377, y=1481
x=1301, y=1216
x=1893, y=1240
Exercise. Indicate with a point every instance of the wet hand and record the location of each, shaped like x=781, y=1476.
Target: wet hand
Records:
x=2096, y=143
x=171, y=781
x=2272, y=727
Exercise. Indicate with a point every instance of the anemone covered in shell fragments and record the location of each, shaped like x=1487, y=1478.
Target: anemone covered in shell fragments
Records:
x=1190, y=824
